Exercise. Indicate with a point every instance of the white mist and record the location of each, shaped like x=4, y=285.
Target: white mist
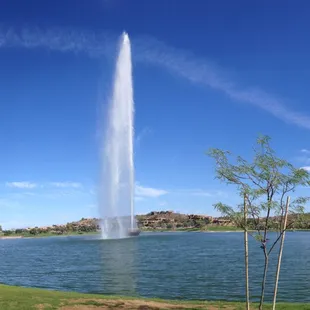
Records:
x=116, y=203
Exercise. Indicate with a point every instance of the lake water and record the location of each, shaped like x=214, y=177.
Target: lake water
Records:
x=164, y=265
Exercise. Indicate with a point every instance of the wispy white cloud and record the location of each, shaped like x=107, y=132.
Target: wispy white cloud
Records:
x=304, y=157
x=146, y=49
x=61, y=193
x=55, y=190
x=199, y=192
x=32, y=185
x=22, y=185
x=66, y=184
x=62, y=189
x=142, y=191
x=201, y=71
x=59, y=39
x=23, y=191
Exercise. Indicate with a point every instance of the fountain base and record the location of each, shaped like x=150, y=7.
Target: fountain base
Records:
x=133, y=232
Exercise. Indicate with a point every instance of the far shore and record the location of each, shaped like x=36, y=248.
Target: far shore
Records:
x=11, y=237
x=152, y=222
x=46, y=235
x=213, y=229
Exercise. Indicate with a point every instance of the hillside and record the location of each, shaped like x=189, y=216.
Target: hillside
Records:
x=170, y=220
x=153, y=221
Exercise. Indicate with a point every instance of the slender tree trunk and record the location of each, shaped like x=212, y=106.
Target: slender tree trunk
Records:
x=246, y=254
x=264, y=282
x=266, y=259
x=280, y=254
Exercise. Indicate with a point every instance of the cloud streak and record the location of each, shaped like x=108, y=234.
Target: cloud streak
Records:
x=33, y=185
x=304, y=157
x=200, y=71
x=59, y=39
x=141, y=191
x=59, y=189
x=21, y=185
x=199, y=192
x=148, y=50
x=66, y=184
x=305, y=151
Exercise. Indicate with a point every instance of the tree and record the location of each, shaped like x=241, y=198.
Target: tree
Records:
x=33, y=231
x=7, y=232
x=263, y=184
x=169, y=226
x=246, y=251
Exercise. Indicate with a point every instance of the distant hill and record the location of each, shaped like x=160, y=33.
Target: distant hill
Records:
x=156, y=221
x=170, y=220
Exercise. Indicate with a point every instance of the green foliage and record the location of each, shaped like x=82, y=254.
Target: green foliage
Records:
x=7, y=232
x=200, y=223
x=33, y=231
x=265, y=182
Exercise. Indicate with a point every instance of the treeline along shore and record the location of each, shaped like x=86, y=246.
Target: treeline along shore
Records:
x=156, y=221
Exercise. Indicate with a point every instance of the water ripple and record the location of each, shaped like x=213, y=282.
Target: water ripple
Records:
x=164, y=265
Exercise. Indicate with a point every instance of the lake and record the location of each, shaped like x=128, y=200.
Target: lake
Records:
x=189, y=265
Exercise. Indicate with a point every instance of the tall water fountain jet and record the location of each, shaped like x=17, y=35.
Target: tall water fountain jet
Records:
x=116, y=203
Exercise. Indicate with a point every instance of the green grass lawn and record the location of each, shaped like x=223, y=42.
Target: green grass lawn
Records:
x=18, y=298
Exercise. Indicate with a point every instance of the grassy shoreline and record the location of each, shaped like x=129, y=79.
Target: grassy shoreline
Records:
x=18, y=298
x=42, y=235
x=210, y=229
x=45, y=235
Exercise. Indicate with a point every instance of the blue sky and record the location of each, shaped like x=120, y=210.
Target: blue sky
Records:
x=206, y=74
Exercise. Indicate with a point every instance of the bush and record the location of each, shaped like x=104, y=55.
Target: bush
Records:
x=33, y=231
x=7, y=232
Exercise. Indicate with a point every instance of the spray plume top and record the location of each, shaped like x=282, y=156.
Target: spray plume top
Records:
x=125, y=37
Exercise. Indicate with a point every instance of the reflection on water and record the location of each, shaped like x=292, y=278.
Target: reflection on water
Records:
x=163, y=265
x=119, y=258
